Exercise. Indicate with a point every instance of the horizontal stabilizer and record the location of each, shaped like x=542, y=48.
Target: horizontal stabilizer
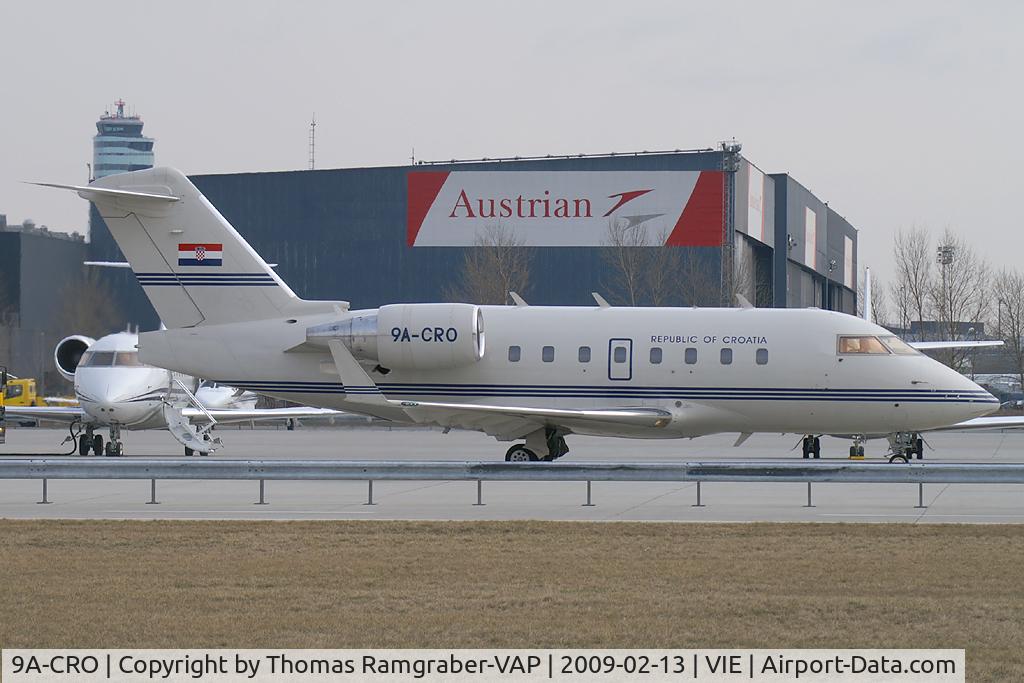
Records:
x=91, y=192
x=107, y=264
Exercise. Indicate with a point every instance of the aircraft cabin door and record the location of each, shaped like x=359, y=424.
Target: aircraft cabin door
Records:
x=620, y=359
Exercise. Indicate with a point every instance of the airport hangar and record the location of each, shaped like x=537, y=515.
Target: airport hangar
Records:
x=400, y=234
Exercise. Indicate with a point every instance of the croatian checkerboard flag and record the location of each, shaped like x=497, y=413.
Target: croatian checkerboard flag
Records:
x=200, y=254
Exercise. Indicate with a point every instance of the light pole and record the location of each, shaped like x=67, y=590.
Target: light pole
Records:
x=945, y=255
x=973, y=336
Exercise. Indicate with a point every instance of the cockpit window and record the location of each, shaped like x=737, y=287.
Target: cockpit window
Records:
x=898, y=346
x=862, y=344
x=128, y=359
x=97, y=359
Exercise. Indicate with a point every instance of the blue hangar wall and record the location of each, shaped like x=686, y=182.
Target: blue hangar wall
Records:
x=400, y=234
x=344, y=233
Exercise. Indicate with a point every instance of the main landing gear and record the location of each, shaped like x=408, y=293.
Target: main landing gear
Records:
x=903, y=446
x=90, y=441
x=548, y=441
x=857, y=449
x=812, y=446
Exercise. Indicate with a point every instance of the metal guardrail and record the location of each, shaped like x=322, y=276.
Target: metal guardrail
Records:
x=737, y=471
x=304, y=470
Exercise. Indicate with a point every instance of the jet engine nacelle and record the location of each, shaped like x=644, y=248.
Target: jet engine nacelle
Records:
x=68, y=353
x=410, y=336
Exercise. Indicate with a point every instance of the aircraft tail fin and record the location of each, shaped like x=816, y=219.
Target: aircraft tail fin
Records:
x=193, y=265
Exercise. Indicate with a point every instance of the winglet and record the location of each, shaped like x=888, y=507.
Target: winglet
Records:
x=743, y=301
x=601, y=301
x=517, y=300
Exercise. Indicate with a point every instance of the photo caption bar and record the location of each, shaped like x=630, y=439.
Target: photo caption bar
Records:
x=514, y=666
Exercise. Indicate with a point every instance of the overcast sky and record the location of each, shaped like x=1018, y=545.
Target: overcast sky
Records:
x=896, y=113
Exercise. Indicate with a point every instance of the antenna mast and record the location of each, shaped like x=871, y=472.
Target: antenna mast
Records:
x=312, y=143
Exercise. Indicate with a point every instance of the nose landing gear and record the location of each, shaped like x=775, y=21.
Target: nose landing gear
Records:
x=114, y=446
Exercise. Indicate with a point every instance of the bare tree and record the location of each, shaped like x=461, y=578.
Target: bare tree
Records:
x=879, y=300
x=644, y=271
x=698, y=278
x=912, y=291
x=902, y=306
x=497, y=264
x=625, y=254
x=960, y=293
x=1009, y=291
x=88, y=306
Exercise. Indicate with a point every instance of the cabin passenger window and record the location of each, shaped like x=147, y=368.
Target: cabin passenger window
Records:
x=619, y=354
x=547, y=354
x=862, y=344
x=514, y=352
x=761, y=357
x=584, y=354
x=655, y=355
x=690, y=356
x=726, y=356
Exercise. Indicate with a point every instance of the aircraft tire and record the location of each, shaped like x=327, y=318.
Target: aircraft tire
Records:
x=84, y=444
x=520, y=453
x=97, y=445
x=901, y=459
x=919, y=448
x=189, y=452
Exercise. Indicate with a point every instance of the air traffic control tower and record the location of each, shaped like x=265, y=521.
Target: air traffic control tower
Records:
x=118, y=147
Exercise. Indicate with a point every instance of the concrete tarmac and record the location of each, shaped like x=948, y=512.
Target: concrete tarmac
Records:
x=612, y=501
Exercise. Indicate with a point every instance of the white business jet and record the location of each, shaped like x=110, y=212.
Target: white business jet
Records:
x=532, y=375
x=115, y=390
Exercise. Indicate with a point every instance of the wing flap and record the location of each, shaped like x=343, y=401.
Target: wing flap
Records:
x=516, y=421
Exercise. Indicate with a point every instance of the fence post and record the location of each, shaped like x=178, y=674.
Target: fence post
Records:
x=809, y=503
x=369, y=495
x=588, y=504
x=44, y=501
x=479, y=492
x=262, y=500
x=152, y=493
x=698, y=504
x=920, y=497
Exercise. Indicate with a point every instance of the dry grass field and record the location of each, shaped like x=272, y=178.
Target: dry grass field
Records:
x=517, y=584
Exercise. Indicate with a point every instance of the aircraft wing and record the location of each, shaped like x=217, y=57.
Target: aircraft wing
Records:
x=928, y=346
x=53, y=413
x=264, y=414
x=503, y=422
x=1009, y=422
x=512, y=422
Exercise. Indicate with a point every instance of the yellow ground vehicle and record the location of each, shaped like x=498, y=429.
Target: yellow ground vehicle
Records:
x=22, y=392
x=3, y=391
